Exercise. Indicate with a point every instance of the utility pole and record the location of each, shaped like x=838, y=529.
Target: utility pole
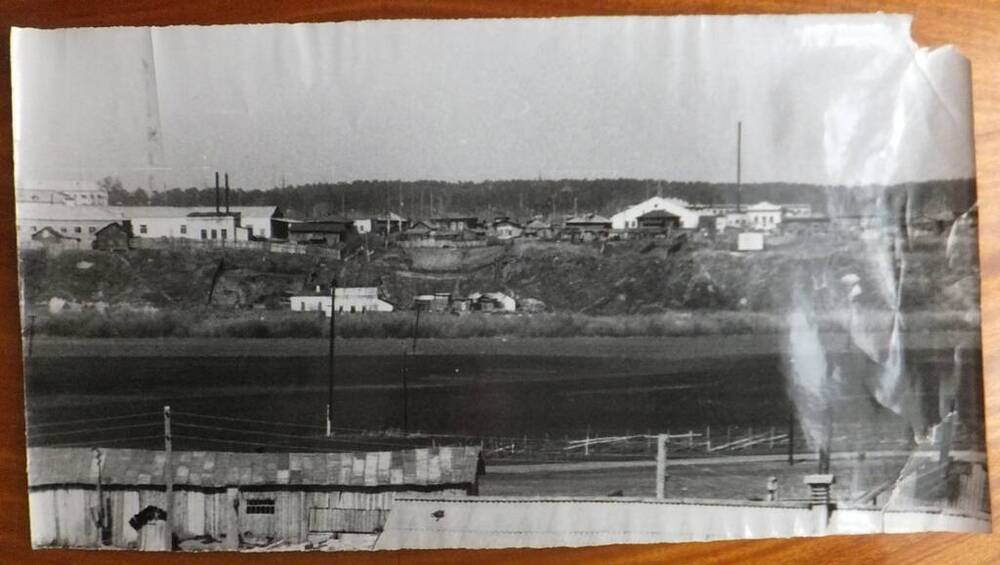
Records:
x=31, y=333
x=406, y=396
x=416, y=329
x=168, y=471
x=330, y=368
x=791, y=439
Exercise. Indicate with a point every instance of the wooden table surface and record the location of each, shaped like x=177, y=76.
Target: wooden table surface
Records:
x=971, y=25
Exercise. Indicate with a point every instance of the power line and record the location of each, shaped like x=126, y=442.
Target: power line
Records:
x=252, y=443
x=289, y=436
x=94, y=430
x=98, y=443
x=91, y=420
x=254, y=421
x=315, y=427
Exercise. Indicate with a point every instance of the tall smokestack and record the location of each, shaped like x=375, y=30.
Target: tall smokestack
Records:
x=739, y=166
x=216, y=192
x=227, y=193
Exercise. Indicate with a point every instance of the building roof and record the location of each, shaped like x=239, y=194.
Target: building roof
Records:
x=655, y=214
x=588, y=219
x=218, y=469
x=764, y=206
x=61, y=212
x=68, y=186
x=49, y=233
x=245, y=212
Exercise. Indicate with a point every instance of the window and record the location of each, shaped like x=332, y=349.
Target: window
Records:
x=62, y=229
x=249, y=231
x=223, y=233
x=184, y=229
x=215, y=234
x=260, y=506
x=352, y=309
x=77, y=229
x=204, y=234
x=142, y=228
x=91, y=229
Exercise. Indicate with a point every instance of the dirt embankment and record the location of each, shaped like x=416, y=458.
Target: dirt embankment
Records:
x=621, y=278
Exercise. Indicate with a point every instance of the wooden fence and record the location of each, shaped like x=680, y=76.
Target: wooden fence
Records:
x=346, y=520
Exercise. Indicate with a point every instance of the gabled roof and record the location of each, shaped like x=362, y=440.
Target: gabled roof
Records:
x=219, y=469
x=61, y=212
x=49, y=233
x=657, y=214
x=588, y=219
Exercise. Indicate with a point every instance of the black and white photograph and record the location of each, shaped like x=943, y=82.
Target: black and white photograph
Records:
x=428, y=284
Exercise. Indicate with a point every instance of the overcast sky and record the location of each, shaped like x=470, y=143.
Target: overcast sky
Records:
x=823, y=100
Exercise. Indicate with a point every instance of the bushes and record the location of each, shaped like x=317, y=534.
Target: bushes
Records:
x=128, y=323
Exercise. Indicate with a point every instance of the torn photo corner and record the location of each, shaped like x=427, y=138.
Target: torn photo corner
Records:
x=497, y=283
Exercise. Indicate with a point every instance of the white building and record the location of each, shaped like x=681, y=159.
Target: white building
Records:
x=629, y=218
x=242, y=223
x=69, y=193
x=80, y=222
x=154, y=222
x=356, y=300
x=764, y=216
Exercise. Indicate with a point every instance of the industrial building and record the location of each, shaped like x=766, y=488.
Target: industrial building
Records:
x=232, y=497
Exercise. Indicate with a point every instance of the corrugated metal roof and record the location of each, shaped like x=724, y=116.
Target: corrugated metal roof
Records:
x=452, y=466
x=38, y=211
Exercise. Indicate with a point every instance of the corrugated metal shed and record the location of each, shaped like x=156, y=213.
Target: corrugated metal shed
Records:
x=208, y=469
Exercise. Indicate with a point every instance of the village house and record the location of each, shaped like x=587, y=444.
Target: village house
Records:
x=456, y=223
x=351, y=300
x=492, y=302
x=113, y=237
x=235, y=498
x=539, y=229
x=79, y=222
x=419, y=230
x=628, y=219
x=67, y=193
x=587, y=227
x=392, y=223
x=437, y=302
x=51, y=240
x=505, y=229
x=328, y=231
x=805, y=224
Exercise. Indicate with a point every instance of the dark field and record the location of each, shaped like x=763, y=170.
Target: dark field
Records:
x=460, y=389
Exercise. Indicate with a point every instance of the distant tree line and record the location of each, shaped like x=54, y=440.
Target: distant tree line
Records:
x=515, y=198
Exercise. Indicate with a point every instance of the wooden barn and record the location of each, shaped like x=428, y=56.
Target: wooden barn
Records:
x=235, y=498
